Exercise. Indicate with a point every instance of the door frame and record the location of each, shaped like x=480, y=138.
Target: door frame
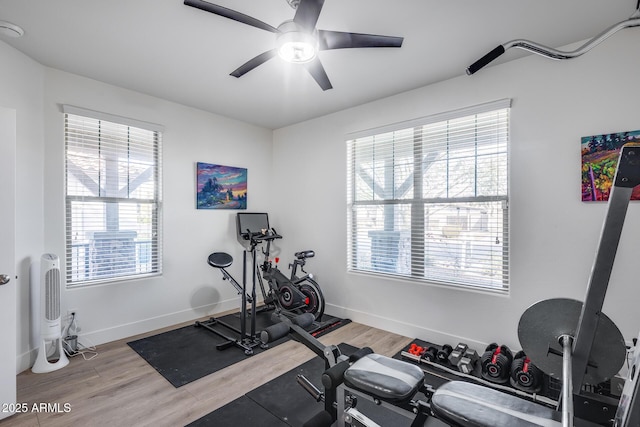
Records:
x=8, y=301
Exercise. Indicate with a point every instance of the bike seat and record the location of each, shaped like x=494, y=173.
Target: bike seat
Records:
x=220, y=260
x=388, y=379
x=305, y=254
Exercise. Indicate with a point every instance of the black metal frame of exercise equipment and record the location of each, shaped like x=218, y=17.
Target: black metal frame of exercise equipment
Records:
x=247, y=340
x=563, y=337
x=573, y=340
x=252, y=230
x=339, y=399
x=286, y=294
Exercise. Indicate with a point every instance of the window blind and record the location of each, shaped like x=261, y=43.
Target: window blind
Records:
x=113, y=200
x=430, y=202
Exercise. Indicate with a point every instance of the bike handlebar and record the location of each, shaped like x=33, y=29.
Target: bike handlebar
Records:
x=260, y=236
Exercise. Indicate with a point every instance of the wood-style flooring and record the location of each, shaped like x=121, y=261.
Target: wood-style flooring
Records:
x=118, y=387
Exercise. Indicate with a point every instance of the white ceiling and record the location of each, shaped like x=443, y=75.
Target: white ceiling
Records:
x=166, y=49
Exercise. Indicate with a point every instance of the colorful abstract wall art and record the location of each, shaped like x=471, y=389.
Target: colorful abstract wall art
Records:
x=221, y=187
x=599, y=162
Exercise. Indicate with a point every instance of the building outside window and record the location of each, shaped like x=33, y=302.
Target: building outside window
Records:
x=113, y=198
x=428, y=199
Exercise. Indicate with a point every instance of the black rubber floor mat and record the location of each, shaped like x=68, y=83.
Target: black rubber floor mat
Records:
x=241, y=412
x=287, y=402
x=189, y=353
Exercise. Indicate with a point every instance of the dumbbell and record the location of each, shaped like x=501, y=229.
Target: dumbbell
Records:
x=427, y=353
x=524, y=374
x=417, y=350
x=496, y=363
x=431, y=354
x=457, y=354
x=468, y=361
x=463, y=358
x=443, y=354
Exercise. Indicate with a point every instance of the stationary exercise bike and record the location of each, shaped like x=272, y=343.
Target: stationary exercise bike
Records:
x=291, y=295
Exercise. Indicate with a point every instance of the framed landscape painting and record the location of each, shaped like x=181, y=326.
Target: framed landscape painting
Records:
x=220, y=187
x=599, y=162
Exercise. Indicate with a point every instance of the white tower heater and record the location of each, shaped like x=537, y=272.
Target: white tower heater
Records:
x=46, y=296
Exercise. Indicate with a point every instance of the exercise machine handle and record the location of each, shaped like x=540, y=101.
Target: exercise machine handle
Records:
x=309, y=387
x=549, y=52
x=273, y=234
x=485, y=60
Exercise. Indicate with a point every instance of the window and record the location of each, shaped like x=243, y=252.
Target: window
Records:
x=113, y=198
x=428, y=200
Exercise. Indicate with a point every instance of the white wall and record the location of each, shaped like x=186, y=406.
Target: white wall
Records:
x=21, y=88
x=301, y=183
x=553, y=234
x=188, y=288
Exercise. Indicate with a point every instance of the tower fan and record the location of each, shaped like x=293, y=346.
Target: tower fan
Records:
x=47, y=305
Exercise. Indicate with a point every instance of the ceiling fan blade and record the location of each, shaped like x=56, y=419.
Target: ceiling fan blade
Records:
x=231, y=14
x=316, y=70
x=307, y=13
x=340, y=40
x=253, y=63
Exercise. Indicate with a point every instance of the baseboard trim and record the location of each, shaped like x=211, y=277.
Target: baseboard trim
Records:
x=95, y=338
x=25, y=360
x=403, y=328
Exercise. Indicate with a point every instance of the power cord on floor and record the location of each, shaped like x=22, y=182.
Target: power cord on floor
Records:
x=87, y=352
x=72, y=345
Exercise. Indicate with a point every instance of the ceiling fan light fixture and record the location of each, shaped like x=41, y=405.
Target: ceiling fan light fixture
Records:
x=296, y=46
x=297, y=52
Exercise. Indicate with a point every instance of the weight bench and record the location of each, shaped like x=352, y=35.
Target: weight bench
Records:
x=457, y=403
x=387, y=382
x=385, y=378
x=471, y=405
x=464, y=404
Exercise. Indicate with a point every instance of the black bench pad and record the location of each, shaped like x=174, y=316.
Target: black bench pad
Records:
x=385, y=378
x=471, y=405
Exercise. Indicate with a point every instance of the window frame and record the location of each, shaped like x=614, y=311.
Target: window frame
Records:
x=417, y=239
x=153, y=205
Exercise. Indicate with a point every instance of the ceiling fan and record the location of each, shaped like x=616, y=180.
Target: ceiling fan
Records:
x=298, y=40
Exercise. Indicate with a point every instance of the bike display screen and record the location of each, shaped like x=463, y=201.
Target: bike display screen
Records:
x=254, y=222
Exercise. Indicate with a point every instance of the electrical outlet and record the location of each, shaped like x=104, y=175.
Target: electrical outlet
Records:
x=72, y=321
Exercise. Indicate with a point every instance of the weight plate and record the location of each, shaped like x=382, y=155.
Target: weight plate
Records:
x=541, y=326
